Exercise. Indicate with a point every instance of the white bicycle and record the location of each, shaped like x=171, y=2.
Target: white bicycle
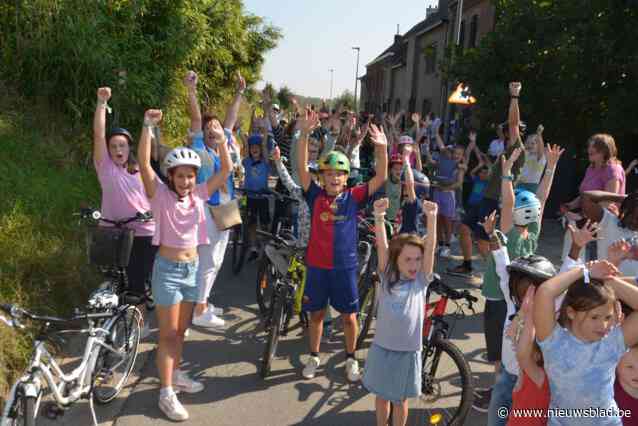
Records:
x=109, y=356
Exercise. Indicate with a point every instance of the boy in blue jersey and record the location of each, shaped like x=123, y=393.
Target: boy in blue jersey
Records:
x=332, y=247
x=256, y=171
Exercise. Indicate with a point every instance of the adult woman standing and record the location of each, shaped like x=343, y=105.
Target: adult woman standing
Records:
x=123, y=192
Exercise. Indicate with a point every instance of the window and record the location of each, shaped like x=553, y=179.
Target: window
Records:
x=430, y=59
x=462, y=35
x=473, y=31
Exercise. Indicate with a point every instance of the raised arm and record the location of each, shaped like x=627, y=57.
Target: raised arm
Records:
x=540, y=145
x=628, y=293
x=470, y=148
x=233, y=109
x=218, y=180
x=409, y=177
x=380, y=207
x=553, y=155
x=151, y=119
x=100, y=149
x=507, y=191
x=430, y=209
x=306, y=125
x=589, y=201
x=285, y=177
x=631, y=166
x=546, y=295
x=514, y=116
x=525, y=343
x=381, y=159
x=190, y=81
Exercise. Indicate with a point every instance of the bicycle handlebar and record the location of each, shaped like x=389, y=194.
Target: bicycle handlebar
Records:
x=444, y=290
x=90, y=213
x=268, y=193
x=275, y=238
x=17, y=313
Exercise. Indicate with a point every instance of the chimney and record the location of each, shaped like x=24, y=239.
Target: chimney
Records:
x=431, y=10
x=397, y=36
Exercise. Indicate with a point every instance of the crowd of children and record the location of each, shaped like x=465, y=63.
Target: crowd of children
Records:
x=557, y=340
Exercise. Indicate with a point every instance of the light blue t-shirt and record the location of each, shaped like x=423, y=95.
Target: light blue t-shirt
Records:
x=581, y=374
x=211, y=164
x=399, y=325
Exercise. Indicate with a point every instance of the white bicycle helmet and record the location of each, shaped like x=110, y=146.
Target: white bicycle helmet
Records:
x=527, y=208
x=406, y=140
x=182, y=157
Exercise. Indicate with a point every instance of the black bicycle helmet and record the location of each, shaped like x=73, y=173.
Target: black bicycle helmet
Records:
x=536, y=267
x=120, y=131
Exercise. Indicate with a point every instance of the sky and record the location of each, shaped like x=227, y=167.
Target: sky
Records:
x=319, y=35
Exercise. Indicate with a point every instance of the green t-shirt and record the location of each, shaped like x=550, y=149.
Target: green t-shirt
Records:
x=393, y=192
x=493, y=190
x=516, y=247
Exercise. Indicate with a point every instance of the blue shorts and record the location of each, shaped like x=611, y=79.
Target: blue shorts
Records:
x=476, y=214
x=174, y=282
x=339, y=286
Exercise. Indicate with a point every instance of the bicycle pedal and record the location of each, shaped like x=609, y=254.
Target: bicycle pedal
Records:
x=52, y=411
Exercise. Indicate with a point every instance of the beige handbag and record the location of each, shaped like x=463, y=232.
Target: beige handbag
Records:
x=226, y=215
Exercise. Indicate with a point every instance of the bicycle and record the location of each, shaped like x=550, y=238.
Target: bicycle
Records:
x=436, y=387
x=109, y=249
x=288, y=279
x=113, y=338
x=240, y=239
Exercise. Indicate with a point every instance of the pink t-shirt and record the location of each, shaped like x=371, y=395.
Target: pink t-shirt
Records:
x=596, y=178
x=180, y=224
x=123, y=195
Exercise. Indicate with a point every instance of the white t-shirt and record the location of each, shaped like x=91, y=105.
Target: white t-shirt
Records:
x=497, y=146
x=532, y=170
x=611, y=231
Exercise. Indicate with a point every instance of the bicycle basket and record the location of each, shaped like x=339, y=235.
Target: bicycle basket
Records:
x=109, y=246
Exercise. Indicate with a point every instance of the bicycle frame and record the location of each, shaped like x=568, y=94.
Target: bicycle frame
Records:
x=43, y=365
x=437, y=310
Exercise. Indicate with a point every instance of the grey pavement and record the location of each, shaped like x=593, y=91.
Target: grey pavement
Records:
x=227, y=363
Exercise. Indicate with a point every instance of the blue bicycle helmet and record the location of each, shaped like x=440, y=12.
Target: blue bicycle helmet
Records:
x=254, y=140
x=527, y=207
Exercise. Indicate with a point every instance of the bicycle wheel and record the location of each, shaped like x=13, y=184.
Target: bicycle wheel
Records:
x=367, y=298
x=446, y=387
x=240, y=243
x=113, y=366
x=264, y=288
x=23, y=411
x=276, y=322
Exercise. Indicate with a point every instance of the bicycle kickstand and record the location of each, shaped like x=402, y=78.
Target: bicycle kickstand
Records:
x=92, y=408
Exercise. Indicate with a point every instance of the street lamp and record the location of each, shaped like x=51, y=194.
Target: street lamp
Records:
x=356, y=80
x=332, y=74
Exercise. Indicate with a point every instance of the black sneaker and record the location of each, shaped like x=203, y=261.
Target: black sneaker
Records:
x=482, y=398
x=460, y=271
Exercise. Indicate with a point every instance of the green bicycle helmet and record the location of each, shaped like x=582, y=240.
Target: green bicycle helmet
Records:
x=335, y=160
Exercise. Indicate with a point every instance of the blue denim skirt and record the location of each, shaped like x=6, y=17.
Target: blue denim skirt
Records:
x=392, y=375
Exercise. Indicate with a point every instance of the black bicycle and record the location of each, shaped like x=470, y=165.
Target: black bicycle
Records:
x=241, y=238
x=288, y=274
x=109, y=249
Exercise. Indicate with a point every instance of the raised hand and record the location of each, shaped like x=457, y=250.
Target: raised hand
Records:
x=489, y=223
x=104, y=94
x=241, y=83
x=416, y=117
x=540, y=129
x=429, y=208
x=602, y=269
x=276, y=154
x=582, y=236
x=308, y=122
x=515, y=88
x=216, y=129
x=553, y=153
x=191, y=79
x=381, y=205
x=378, y=136
x=528, y=302
x=472, y=137
x=153, y=116
x=506, y=164
x=619, y=251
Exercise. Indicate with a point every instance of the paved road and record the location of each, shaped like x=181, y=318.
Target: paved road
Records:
x=227, y=363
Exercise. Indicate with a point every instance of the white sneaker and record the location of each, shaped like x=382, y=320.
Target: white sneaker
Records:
x=311, y=367
x=183, y=383
x=209, y=320
x=173, y=409
x=445, y=251
x=145, y=332
x=352, y=370
x=187, y=332
x=216, y=311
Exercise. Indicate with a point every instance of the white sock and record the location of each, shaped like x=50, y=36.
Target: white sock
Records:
x=167, y=391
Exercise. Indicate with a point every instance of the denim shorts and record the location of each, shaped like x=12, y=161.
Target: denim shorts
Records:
x=446, y=201
x=174, y=282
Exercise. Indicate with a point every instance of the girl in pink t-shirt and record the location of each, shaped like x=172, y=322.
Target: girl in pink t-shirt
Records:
x=123, y=194
x=178, y=209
